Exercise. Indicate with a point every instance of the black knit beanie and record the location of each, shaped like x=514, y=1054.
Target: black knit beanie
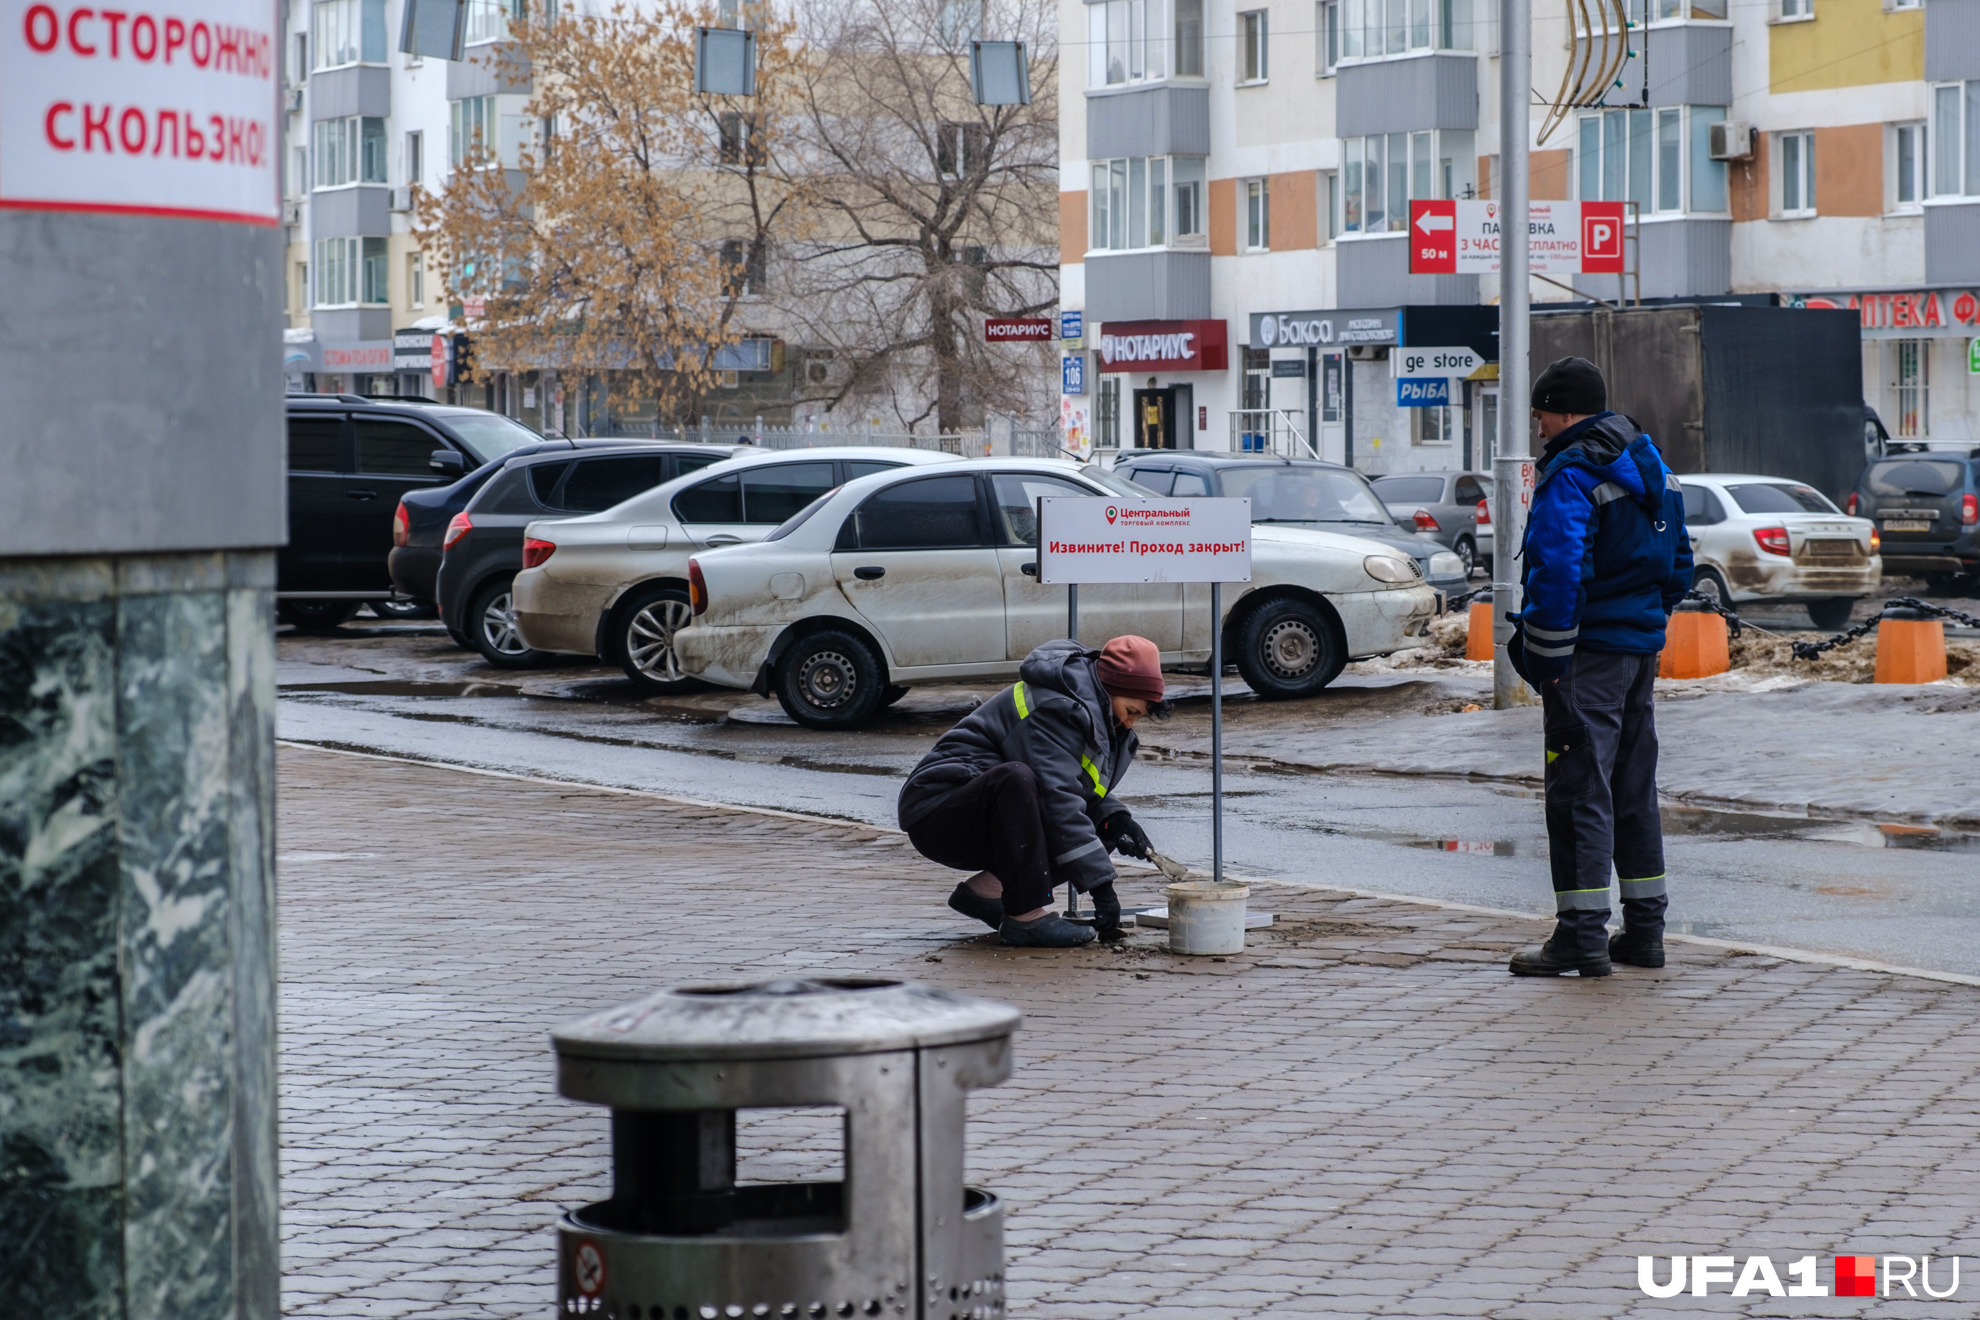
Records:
x=1571, y=385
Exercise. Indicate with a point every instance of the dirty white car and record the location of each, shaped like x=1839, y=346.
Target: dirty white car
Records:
x=1772, y=539
x=614, y=584
x=930, y=576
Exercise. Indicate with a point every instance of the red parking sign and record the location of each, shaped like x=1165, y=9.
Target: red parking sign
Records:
x=1602, y=238
x=1433, y=237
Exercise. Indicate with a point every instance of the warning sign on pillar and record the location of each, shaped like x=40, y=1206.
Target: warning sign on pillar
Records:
x=167, y=112
x=1433, y=238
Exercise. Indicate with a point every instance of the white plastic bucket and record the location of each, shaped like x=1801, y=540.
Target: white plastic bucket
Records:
x=1206, y=917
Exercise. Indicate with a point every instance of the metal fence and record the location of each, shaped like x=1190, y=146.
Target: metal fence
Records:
x=1280, y=431
x=1007, y=440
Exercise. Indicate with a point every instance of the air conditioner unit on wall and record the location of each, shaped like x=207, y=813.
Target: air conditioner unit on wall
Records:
x=292, y=213
x=401, y=199
x=1732, y=139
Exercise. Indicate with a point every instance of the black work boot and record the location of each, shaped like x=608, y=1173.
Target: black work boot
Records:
x=989, y=911
x=1050, y=931
x=1555, y=958
x=1637, y=948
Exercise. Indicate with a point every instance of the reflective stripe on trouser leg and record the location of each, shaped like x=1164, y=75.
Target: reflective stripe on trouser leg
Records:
x=1649, y=887
x=1581, y=900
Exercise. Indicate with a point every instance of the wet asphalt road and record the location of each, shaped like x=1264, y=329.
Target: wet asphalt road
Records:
x=1895, y=894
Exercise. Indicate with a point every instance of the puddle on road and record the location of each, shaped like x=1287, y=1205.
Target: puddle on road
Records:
x=1710, y=823
x=396, y=687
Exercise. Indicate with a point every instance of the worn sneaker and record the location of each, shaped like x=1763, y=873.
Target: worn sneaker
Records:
x=989, y=911
x=1050, y=931
x=1550, y=959
x=1637, y=949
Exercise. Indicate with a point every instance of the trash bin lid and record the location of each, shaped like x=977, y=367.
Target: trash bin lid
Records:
x=788, y=1019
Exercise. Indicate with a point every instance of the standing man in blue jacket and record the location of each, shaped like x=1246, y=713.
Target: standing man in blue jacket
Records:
x=1606, y=560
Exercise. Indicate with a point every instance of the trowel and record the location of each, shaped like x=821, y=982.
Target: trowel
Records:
x=1175, y=872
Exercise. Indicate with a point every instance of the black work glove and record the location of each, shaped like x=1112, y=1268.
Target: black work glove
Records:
x=1106, y=907
x=1120, y=833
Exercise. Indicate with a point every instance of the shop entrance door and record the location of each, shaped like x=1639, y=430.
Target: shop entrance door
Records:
x=1156, y=419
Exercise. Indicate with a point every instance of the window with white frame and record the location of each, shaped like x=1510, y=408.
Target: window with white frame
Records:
x=1381, y=175
x=1254, y=47
x=471, y=129
x=1326, y=36
x=1904, y=4
x=1257, y=215
x=1378, y=29
x=416, y=158
x=1904, y=167
x=352, y=271
x=488, y=20
x=415, y=279
x=1795, y=189
x=1651, y=157
x=349, y=32
x=1795, y=9
x=350, y=151
x=1956, y=140
x=1131, y=41
x=1330, y=204
x=1148, y=202
x=1912, y=383
x=1641, y=13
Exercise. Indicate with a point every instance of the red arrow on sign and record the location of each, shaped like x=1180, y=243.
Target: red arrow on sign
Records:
x=1433, y=237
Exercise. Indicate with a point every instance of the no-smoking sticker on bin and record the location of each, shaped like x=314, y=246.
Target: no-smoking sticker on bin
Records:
x=588, y=1268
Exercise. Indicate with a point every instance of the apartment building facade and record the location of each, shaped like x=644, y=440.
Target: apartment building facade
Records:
x=1235, y=183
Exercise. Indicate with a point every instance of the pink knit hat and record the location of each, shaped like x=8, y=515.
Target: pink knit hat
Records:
x=1131, y=667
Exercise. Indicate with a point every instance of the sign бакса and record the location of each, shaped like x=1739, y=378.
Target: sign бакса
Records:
x=1345, y=327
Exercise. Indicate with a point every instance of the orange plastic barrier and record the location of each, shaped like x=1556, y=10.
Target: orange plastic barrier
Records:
x=1478, y=635
x=1911, y=651
x=1695, y=646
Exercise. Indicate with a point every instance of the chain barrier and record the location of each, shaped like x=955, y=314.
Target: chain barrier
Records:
x=1733, y=622
x=1813, y=650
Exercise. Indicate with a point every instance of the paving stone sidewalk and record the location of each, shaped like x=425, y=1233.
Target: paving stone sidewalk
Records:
x=1361, y=1115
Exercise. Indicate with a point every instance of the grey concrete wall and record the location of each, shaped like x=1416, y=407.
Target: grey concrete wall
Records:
x=1952, y=40
x=1374, y=272
x=1395, y=96
x=1952, y=243
x=1679, y=259
x=358, y=90
x=137, y=896
x=1148, y=286
x=1148, y=121
x=350, y=324
x=488, y=70
x=141, y=361
x=350, y=212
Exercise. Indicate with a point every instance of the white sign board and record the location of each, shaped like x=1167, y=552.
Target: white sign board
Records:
x=170, y=112
x=1100, y=539
x=1453, y=362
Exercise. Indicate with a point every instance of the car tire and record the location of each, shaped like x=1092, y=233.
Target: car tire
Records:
x=1467, y=552
x=830, y=680
x=316, y=616
x=1708, y=583
x=642, y=639
x=491, y=624
x=1832, y=613
x=403, y=609
x=1288, y=648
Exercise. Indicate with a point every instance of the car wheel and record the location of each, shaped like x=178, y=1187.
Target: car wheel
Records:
x=1707, y=583
x=1467, y=552
x=491, y=622
x=830, y=680
x=1832, y=614
x=402, y=609
x=643, y=639
x=1288, y=648
x=316, y=616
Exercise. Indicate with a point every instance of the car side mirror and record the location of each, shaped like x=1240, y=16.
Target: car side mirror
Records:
x=451, y=462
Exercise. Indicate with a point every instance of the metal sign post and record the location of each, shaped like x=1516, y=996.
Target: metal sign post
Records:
x=1101, y=539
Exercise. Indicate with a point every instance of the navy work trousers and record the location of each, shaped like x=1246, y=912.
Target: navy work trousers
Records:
x=993, y=823
x=1601, y=731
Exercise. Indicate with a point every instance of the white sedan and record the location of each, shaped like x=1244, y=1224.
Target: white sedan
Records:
x=614, y=584
x=1772, y=539
x=925, y=577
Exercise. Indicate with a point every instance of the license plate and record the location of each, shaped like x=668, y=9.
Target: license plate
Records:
x=1907, y=525
x=1831, y=549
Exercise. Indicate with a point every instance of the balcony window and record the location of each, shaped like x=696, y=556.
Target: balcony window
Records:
x=1142, y=202
x=349, y=32
x=1639, y=156
x=1380, y=29
x=488, y=20
x=350, y=151
x=1381, y=175
x=352, y=271
x=1134, y=41
x=471, y=129
x=1955, y=140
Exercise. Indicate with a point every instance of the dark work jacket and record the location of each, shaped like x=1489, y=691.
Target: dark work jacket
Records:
x=1057, y=720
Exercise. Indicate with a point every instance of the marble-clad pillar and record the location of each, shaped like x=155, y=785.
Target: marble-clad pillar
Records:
x=137, y=937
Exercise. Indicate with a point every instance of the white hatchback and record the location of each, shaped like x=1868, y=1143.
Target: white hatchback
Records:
x=1771, y=539
x=922, y=577
x=614, y=584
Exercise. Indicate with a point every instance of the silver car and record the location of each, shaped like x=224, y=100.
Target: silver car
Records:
x=1446, y=506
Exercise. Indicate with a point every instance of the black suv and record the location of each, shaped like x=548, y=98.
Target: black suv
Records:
x=1927, y=506
x=351, y=460
x=483, y=547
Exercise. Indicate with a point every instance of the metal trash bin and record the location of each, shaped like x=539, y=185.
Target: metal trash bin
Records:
x=680, y=1240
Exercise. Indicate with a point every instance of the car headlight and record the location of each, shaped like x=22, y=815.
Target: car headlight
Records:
x=1446, y=564
x=1384, y=569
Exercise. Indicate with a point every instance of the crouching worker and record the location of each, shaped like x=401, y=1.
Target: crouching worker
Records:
x=1023, y=790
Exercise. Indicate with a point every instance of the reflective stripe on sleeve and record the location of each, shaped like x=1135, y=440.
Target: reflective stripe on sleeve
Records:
x=1607, y=492
x=1551, y=652
x=1581, y=900
x=1671, y=482
x=1080, y=851
x=1017, y=695
x=1086, y=764
x=1553, y=634
x=1650, y=887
